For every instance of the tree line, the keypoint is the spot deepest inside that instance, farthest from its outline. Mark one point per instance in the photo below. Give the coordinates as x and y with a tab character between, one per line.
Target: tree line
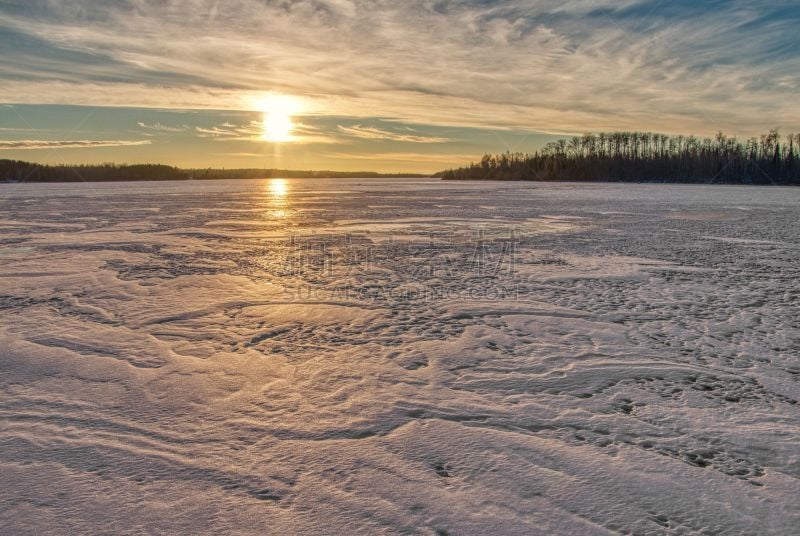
647	157
256	173
19	171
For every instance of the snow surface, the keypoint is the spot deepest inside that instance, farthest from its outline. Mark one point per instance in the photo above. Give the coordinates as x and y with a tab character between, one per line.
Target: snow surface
399	357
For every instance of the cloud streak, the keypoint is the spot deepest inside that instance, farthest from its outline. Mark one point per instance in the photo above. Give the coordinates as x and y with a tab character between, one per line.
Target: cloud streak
158	127
558	67
64	144
230	132
254	130
373	133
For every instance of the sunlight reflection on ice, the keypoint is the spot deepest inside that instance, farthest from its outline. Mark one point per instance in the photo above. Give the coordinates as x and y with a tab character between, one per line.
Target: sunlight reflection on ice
277	189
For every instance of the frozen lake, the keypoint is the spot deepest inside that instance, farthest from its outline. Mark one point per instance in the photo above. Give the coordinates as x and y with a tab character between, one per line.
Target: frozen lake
399	357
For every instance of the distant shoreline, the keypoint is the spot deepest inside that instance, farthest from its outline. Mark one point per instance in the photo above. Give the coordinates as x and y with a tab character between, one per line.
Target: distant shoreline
18	171
647	157
190	179
701	182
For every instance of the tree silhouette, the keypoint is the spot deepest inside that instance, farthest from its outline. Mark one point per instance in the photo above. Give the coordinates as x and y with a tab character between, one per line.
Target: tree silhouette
646	156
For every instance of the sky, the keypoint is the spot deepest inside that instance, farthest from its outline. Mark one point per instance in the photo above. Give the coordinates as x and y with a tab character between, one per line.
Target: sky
412	85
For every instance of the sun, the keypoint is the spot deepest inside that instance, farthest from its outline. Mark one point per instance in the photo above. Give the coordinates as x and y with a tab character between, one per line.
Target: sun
278	125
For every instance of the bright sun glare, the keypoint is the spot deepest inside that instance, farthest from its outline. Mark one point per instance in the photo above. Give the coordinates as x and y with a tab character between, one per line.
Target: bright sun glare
278	187
278	124
277	202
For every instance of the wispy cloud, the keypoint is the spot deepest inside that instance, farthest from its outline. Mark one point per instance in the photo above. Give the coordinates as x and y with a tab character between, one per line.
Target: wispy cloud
559	67
227	131
64	144
372	133
253	131
15	129
158	127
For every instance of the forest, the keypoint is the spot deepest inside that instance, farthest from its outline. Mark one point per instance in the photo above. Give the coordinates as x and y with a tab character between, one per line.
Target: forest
20	171
647	157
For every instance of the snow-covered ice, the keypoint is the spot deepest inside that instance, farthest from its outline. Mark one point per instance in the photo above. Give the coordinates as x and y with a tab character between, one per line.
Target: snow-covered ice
399	357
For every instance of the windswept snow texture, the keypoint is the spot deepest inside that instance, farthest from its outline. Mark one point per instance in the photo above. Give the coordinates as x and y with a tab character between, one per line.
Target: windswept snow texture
399	357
